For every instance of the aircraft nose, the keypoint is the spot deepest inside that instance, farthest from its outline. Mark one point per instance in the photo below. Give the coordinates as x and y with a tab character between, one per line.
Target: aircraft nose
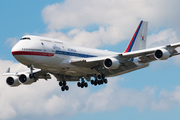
15	49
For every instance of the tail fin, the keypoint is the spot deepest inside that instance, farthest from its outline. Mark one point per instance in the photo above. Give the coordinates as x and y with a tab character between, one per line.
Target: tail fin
138	41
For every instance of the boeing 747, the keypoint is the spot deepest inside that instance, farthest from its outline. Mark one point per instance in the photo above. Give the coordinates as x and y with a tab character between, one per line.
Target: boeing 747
68	62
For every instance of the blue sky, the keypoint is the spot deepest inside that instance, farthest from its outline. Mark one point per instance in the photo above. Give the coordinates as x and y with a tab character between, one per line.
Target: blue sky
149	93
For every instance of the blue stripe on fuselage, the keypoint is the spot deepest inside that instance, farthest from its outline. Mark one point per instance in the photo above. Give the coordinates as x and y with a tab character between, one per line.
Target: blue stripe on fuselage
73	54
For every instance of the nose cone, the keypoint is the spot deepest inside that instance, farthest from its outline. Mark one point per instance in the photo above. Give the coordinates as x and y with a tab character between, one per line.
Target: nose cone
18	53
16	49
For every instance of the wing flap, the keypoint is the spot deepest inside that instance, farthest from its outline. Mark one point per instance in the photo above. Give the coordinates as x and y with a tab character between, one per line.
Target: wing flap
88	62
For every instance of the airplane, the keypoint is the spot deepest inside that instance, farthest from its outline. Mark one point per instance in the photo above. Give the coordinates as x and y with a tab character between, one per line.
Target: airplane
67	62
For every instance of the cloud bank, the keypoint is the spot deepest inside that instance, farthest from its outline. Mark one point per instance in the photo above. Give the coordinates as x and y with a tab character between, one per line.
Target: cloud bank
115	20
45	97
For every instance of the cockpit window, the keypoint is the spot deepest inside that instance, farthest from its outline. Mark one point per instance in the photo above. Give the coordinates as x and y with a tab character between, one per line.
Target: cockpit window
25	38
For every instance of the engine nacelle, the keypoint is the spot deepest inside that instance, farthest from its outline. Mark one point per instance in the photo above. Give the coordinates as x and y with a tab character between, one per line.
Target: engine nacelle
24	79
13	81
111	63
162	54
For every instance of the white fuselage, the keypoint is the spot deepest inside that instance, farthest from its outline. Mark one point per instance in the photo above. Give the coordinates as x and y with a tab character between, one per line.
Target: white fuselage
54	56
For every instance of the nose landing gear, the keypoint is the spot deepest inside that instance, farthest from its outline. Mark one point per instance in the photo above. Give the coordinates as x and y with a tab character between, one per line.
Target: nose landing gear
32	75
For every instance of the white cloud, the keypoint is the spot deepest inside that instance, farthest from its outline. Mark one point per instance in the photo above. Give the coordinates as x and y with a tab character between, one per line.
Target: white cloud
167	100
164	37
86	39
78	13
116	19
46	98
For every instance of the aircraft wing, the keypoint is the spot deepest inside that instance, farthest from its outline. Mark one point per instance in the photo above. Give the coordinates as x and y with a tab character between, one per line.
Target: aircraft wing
88	62
147	52
146	55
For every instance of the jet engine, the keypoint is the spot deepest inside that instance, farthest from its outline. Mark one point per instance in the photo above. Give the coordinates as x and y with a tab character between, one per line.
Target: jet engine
24	79
111	63
162	54
12	81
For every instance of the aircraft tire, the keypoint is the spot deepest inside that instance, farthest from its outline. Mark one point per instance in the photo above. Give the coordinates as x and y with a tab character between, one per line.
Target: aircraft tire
82	85
99	77
67	88
32	76
79	84
96	81
86	85
101	81
62	88
92	82
60	83
64	83
105	81
103	76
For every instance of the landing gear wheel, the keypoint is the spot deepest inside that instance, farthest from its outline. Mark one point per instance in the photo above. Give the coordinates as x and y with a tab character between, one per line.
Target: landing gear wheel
92	82
86	85
103	76
101	81
82	85
60	83
99	77
31	76
62	88
79	84
105	81
64	83
95	82
67	88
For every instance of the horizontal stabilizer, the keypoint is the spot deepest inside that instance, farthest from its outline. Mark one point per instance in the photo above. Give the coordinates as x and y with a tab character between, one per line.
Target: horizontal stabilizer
19	73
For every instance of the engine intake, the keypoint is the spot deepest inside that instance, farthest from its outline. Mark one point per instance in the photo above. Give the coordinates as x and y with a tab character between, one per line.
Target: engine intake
24	79
111	63
12	81
162	54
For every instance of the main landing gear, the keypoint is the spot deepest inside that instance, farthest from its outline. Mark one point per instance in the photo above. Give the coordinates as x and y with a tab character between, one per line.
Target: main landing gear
82	84
63	85
99	80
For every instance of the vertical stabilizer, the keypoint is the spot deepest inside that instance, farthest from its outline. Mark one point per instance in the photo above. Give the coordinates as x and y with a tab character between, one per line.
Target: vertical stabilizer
138	41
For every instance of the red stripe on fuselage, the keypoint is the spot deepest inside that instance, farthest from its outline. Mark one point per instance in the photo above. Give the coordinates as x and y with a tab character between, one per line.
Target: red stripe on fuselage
32	53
